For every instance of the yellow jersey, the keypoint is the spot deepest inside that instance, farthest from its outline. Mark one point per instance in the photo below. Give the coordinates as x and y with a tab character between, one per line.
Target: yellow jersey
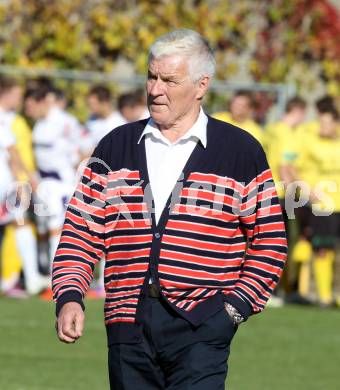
23	137
249	125
320	162
281	146
310	128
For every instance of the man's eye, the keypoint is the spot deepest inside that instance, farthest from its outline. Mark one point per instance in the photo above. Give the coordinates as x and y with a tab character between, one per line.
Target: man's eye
152	77
171	82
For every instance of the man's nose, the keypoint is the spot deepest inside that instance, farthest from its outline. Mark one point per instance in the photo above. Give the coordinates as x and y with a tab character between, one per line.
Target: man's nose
156	87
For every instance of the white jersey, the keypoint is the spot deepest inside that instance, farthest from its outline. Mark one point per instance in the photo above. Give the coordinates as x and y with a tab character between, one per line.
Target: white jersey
6	141
6	179
99	127
6	136
56	144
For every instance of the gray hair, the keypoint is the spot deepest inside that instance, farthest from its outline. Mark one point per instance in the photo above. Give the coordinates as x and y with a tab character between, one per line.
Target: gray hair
188	43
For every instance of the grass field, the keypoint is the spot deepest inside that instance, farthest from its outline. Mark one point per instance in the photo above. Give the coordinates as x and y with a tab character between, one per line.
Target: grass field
290	348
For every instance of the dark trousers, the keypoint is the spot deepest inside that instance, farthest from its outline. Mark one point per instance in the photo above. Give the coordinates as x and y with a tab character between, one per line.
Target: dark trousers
173	354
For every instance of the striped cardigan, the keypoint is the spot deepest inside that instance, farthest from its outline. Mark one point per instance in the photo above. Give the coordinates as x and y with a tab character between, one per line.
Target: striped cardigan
220	237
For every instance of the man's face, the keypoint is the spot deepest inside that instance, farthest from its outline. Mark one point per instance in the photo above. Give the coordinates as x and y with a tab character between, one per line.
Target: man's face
328	125
171	94
94	105
240	107
133	113
298	114
36	109
14	98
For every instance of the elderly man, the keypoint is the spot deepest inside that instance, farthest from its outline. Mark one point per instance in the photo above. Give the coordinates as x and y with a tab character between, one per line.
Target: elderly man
185	211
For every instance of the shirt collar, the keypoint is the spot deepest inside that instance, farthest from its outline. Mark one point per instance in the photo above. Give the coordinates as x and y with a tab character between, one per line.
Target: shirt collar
198	131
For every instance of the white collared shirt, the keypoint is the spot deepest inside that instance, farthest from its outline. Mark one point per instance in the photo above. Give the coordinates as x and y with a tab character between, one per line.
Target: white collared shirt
166	160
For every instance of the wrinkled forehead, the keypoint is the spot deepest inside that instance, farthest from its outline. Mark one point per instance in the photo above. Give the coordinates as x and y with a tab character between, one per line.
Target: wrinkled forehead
169	65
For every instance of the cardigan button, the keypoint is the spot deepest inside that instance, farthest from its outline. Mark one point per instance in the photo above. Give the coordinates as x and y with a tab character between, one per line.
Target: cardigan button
157	235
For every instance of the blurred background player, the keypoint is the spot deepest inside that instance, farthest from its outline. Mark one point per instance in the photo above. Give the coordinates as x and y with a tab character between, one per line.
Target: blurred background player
56	148
282	145
322	157
318	164
77	132
241	114
17	166
132	106
103	117
280	141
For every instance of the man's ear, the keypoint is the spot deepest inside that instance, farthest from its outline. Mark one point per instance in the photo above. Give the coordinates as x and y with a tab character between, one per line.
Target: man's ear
203	85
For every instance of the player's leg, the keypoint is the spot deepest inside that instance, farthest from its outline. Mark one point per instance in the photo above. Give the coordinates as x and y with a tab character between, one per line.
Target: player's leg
52	197
26	243
302	250
324	237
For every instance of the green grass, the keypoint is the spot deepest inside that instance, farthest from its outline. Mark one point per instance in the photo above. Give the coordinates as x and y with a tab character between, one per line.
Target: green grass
292	348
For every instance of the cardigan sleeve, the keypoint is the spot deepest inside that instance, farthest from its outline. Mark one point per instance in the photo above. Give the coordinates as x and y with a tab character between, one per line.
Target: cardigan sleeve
261	219
82	242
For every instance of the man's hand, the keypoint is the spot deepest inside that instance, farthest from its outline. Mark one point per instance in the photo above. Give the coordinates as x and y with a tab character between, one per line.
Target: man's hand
70	322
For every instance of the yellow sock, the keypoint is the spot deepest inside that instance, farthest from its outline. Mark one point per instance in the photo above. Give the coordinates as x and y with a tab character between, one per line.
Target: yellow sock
323	273
304	279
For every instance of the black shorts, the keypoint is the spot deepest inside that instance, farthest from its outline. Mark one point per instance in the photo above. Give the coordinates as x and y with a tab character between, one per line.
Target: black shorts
325	231
2	230
304	220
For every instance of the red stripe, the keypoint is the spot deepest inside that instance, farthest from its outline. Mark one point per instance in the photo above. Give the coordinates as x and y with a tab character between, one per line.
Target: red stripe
133	224
118	319
222	181
203	229
270	241
122	269
114	255
269	227
94	177
90	193
78	244
126	207
128	282
127	301
123	174
96	227
89	237
130	240
66	277
265	252
88	208
72	264
111	295
125	191
184	272
199	194
204	212
207	261
167	239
